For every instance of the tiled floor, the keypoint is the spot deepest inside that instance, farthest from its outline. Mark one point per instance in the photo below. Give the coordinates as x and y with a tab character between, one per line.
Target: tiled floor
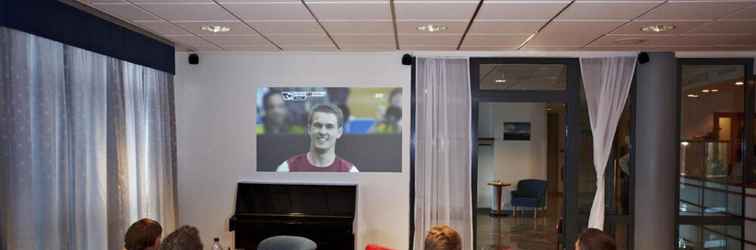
519	233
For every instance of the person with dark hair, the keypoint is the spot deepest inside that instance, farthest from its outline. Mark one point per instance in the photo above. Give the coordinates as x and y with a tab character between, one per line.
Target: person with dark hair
442	237
143	235
393	116
325	125
594	239
276	118
184	238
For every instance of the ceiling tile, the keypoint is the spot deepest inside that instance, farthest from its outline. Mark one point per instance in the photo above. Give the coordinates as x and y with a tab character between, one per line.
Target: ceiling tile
744	14
435	40
300	26
572	33
670	40
525	27
250	48
188	11
551	47
329	11
428	47
223	2
727	27
486	48
170	1
359	27
364	40
237	28
636	26
300	40
125	11
501	10
425	10
162	27
693	11
237	41
411	27
478	40
270	11
613	10
193	42
377	47
309	47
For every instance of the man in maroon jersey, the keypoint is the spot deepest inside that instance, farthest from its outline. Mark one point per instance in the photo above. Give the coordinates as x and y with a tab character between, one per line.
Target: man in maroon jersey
324	126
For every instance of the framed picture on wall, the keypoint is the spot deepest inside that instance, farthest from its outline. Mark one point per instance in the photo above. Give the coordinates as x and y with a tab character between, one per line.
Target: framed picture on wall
516	131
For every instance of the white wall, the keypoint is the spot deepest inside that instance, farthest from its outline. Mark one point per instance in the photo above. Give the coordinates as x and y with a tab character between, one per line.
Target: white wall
512	160
215	120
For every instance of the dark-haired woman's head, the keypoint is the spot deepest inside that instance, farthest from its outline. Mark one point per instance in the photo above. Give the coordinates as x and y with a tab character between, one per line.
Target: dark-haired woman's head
143	234
594	239
184	238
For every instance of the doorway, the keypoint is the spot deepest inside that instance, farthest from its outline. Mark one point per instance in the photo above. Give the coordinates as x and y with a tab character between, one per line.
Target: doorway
547	87
519	143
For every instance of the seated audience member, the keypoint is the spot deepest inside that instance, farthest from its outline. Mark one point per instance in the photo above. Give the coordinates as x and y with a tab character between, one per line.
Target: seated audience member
442	237
184	238
143	235
594	239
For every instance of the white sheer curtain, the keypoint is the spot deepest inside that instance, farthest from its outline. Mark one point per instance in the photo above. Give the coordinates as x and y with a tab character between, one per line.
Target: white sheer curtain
442	161
56	169
607	84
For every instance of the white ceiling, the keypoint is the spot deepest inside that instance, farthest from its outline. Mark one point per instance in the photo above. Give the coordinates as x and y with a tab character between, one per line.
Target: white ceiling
385	25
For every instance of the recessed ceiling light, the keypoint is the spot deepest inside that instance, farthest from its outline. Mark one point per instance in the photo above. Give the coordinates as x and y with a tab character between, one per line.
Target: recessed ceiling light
659	28
714	90
739	83
216	28
692	95
704	91
501	80
684	143
432	28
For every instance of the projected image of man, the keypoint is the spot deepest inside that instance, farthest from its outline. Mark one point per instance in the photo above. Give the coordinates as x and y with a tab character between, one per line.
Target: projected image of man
325	125
276	119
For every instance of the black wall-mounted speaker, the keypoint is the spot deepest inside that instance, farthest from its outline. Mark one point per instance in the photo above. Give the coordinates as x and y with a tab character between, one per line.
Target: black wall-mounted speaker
643	58
193	58
408	59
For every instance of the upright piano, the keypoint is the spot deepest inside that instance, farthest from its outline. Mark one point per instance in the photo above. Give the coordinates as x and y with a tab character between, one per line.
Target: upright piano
322	213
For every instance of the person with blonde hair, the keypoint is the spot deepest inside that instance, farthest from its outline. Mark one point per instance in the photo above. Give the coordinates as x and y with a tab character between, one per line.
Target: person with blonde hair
443	237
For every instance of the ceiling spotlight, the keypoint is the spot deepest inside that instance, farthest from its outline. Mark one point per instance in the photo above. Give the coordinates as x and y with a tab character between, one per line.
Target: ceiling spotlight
714	90
692	95
739	83
501	81
432	28
216	28
659	28
684	143
704	91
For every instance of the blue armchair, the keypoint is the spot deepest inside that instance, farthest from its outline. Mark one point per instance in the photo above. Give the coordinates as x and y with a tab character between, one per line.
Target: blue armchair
530	193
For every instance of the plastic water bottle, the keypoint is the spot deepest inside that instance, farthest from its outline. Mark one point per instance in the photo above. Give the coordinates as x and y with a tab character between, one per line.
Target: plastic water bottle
216	244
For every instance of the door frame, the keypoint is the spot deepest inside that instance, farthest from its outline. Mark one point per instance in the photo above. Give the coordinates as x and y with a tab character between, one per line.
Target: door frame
569	97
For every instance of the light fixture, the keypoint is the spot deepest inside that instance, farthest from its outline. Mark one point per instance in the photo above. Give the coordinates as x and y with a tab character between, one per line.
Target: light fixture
432	28
216	28
739	83
714	90
684	143
501	81
705	91
692	95
659	28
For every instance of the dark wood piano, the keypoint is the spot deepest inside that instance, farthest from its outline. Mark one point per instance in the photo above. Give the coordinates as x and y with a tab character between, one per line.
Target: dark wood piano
322	213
